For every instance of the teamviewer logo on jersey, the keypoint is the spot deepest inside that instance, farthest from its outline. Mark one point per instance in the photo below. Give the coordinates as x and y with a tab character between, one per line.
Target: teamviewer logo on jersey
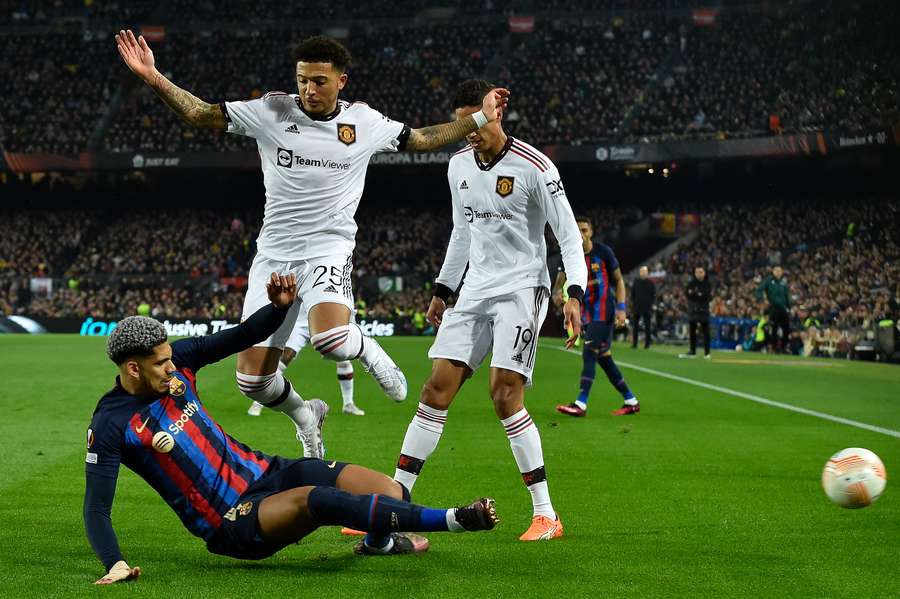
285	157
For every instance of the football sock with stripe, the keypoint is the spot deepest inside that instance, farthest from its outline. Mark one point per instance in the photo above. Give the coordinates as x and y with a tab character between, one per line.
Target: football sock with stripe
345	379
275	392
421	439
525	442
378	514
615	377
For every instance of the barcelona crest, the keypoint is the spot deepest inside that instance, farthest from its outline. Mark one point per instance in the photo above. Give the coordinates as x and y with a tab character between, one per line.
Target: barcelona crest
176	387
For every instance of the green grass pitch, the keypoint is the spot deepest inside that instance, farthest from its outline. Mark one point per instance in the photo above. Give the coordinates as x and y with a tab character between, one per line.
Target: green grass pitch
702	494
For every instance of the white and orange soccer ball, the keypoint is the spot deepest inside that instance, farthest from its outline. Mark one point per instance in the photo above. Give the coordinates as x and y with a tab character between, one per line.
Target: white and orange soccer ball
854	477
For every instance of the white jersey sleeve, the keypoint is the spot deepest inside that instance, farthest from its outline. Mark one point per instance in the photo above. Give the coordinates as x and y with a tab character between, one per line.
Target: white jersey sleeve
385	134
245	117
457	256
550	195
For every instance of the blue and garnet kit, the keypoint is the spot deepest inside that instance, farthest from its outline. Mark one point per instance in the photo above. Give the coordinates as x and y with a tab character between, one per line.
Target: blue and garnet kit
211	480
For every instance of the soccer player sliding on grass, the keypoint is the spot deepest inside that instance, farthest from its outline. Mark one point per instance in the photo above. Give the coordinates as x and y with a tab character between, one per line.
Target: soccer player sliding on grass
244	503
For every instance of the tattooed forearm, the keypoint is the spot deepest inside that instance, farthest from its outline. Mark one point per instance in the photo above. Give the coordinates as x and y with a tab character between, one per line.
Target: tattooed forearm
437	136
189	107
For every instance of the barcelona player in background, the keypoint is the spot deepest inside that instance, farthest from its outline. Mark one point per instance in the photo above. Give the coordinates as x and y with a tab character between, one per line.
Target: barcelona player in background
602	313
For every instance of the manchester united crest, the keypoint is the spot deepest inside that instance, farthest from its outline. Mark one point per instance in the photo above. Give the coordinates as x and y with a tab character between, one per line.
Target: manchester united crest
346	133
505	185
176	387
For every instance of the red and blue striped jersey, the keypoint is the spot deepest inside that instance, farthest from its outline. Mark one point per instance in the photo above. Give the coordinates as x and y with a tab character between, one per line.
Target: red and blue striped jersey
175	445
600	295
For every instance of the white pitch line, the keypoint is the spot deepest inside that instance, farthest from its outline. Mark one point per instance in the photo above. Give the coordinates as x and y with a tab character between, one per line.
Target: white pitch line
756	398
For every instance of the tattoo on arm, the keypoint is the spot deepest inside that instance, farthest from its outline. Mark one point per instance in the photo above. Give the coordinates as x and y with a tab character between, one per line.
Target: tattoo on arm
438	136
186	105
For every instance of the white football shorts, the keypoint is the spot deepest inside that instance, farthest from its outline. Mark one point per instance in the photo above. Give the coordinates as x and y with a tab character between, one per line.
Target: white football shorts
506	325
319	280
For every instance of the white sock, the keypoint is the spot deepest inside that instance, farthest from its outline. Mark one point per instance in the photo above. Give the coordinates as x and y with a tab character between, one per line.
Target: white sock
525	442
581	404
282	366
421	439
345	378
276	393
631	402
452	524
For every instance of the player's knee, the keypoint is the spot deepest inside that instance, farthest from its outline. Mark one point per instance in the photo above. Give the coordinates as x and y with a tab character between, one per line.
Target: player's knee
507	388
436	394
288	355
340	343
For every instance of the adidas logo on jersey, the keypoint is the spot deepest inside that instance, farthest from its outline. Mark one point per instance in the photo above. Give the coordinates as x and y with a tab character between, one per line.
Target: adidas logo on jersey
464	185
292	129
517	358
330	289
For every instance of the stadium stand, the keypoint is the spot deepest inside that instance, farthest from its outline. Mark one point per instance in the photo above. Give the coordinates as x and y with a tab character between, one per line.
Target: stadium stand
632	74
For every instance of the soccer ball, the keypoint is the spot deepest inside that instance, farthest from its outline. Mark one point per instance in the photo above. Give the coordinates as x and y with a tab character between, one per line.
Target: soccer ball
854	478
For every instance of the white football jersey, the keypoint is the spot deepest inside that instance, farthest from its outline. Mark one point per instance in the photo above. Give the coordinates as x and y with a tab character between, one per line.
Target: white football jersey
499	213
313	170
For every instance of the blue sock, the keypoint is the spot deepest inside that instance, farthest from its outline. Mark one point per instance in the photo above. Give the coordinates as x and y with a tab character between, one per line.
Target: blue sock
377	514
587	374
615	377
433	519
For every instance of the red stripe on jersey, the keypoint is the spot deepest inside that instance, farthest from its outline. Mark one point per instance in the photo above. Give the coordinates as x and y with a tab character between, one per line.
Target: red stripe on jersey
186	487
190	377
174	472
605	291
245	455
214	459
591	292
530	151
528	158
466	149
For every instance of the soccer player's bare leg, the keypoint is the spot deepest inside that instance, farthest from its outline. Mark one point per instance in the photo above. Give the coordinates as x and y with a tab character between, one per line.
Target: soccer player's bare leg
508	393
259	379
336	338
424	432
366	500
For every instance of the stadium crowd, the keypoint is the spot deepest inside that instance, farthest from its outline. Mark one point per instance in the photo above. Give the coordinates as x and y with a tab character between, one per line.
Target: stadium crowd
193	262
841	261
632	75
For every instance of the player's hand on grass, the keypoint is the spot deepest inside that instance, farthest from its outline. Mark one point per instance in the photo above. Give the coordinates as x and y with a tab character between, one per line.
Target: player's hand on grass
494	103
572	315
282	289
120	572
435	312
137	54
620	319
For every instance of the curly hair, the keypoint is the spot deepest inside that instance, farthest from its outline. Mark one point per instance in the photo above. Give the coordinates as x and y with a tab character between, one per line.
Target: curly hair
320	48
134	336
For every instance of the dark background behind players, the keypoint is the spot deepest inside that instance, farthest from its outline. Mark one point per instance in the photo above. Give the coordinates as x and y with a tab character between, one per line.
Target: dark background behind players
643	296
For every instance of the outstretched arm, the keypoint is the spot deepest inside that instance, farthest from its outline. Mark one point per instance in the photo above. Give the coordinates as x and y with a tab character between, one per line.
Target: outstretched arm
197	352
139	58
438	136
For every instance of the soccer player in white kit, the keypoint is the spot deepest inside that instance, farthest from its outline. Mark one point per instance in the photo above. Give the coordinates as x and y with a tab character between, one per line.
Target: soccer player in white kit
314	151
504	192
297	340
